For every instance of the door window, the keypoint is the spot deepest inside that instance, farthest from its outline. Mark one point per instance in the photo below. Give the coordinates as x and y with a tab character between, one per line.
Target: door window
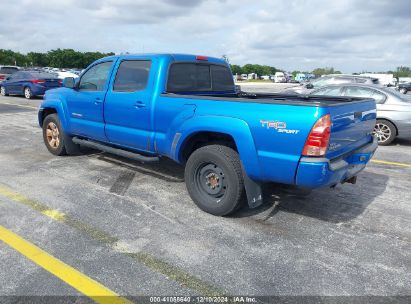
95	78
132	75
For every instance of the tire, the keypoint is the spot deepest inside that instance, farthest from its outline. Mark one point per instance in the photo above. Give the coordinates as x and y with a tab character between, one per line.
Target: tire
62	144
214	179
28	94
385	131
3	91
403	90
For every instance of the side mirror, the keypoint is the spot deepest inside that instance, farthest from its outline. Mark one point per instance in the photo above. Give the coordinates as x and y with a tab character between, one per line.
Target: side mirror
309	86
69	82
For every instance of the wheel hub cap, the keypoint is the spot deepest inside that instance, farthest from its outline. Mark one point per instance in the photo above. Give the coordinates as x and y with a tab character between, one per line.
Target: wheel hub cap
210	179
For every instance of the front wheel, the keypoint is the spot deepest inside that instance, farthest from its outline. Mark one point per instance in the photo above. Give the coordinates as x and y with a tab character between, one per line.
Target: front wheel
214	179
28	93
53	135
385	132
403	90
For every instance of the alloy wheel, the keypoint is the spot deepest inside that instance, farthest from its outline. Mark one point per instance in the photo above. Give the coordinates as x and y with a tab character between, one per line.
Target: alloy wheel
382	131
53	135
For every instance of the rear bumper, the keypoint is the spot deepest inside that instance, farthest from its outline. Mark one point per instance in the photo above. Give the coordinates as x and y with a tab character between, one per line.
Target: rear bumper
40	90
321	172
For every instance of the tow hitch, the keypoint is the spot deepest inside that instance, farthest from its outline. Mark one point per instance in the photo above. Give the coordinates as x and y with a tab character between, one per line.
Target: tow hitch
351	180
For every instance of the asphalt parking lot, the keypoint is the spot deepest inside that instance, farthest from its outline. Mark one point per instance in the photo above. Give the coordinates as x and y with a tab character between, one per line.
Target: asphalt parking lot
134	229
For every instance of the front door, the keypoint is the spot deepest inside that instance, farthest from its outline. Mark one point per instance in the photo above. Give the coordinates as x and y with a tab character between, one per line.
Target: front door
128	105
86	102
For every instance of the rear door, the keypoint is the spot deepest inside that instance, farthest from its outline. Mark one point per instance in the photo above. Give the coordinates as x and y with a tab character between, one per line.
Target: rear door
128	105
85	102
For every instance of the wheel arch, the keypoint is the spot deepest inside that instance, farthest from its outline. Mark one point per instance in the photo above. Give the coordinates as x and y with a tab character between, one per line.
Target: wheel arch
51	108
202	130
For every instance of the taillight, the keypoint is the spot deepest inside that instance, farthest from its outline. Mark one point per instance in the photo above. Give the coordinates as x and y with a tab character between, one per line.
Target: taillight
38	81
2	77
60	82
317	141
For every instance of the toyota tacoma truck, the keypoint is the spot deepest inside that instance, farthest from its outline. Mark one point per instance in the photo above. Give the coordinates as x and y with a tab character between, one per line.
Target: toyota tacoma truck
186	108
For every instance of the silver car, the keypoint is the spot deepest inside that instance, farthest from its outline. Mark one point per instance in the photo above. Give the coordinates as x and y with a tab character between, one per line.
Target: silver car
393	108
307	88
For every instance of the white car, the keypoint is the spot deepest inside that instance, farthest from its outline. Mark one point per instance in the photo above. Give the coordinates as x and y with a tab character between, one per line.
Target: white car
62	75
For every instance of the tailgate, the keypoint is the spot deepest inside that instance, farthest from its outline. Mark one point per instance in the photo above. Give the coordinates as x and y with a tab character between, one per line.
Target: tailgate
352	126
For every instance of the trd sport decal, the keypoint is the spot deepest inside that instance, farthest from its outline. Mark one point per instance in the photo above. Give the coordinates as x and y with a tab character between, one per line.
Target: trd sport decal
280	126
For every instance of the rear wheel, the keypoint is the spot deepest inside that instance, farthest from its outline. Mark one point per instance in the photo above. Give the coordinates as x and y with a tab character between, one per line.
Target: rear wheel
3	91
28	93
385	132
214	179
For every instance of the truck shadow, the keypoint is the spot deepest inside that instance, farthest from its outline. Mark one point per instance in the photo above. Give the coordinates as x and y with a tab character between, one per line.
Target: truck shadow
166	169
341	204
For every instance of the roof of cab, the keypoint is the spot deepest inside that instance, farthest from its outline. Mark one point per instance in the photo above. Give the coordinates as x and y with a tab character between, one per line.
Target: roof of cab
175	57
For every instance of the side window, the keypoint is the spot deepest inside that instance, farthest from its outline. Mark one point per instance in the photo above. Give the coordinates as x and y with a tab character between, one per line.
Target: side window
189	77
379	97
132	75
96	77
358	92
221	78
334	91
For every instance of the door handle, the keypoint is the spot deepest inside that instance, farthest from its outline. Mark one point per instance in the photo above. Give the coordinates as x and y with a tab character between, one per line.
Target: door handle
97	101
139	104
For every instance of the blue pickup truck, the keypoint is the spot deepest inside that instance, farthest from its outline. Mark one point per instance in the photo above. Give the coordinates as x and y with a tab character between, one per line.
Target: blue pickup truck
187	108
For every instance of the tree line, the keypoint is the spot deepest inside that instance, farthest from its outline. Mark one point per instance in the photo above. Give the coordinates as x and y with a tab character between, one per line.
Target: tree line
69	58
59	58
253	68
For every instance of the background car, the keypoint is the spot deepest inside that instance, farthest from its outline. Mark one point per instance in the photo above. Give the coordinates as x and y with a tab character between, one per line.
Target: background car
7	70
62	75
405	87
307	88
393	108
280	77
29	83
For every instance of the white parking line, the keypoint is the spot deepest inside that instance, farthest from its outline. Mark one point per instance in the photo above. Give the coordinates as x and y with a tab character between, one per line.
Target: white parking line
17	105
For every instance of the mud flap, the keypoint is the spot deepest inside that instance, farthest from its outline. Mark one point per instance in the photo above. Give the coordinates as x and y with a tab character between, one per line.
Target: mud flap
253	190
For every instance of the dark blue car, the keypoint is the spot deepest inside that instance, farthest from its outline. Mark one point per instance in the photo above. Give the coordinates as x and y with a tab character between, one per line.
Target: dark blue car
29	83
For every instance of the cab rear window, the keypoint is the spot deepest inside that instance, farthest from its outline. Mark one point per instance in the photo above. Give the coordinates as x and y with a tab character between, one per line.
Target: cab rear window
199	77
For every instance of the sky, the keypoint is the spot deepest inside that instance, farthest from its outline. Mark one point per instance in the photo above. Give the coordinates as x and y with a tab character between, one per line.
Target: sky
349	35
